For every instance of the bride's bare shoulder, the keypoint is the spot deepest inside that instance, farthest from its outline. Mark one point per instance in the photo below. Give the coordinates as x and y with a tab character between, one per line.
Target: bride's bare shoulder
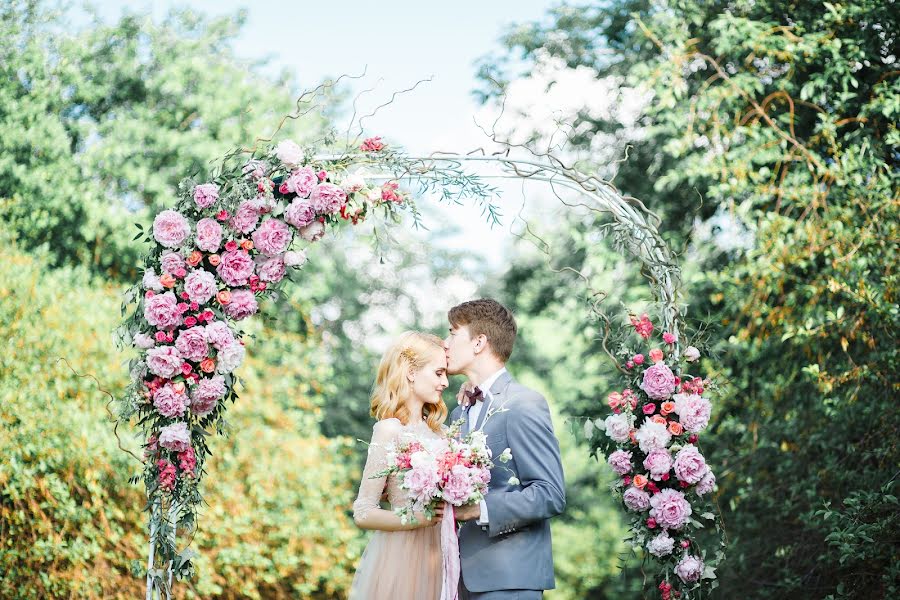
385	426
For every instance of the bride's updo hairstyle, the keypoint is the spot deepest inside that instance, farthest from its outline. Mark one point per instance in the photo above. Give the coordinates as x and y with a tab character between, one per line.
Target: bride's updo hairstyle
410	352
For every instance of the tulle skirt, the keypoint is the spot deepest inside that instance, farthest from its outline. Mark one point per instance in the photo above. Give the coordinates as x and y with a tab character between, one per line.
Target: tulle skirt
400	565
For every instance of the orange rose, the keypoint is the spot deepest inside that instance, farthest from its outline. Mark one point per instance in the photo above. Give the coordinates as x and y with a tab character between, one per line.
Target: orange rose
247	245
224	297
195	257
656	355
631	435
208	365
167	280
658	419
639	481
215	259
614	399
675	428
667	407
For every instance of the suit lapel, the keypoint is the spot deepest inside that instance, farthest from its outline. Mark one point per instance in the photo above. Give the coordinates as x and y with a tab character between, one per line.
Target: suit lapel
498	392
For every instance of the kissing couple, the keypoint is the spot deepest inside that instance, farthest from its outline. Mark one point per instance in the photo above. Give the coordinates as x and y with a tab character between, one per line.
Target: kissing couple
503	549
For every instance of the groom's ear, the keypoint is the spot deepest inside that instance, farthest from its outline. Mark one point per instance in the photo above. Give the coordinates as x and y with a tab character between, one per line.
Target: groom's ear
481	343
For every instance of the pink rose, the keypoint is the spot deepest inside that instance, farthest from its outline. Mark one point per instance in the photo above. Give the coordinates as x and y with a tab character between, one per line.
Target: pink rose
638	359
246	217
272	237
191	343
668	338
670	509
206	394
689	569
300	213
690	466
219	334
301	182
313	232
235	268
164	361
620	461
209	235
242	305
636	499
271	270
658	382
171	229
169	402
658	463
175	437
656	355
327	198
162	311
205	195
649	408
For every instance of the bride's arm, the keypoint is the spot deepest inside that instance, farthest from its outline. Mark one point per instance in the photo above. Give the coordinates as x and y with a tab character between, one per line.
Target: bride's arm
367	514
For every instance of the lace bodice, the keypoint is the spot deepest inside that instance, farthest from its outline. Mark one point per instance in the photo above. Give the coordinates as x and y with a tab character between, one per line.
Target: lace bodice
385	433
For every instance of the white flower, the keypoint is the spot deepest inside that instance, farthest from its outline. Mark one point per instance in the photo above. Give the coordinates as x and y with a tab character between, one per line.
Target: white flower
289	153
151	281
691	354
617	427
230	357
652	435
505	456
478	439
588	429
313	232
294	258
142	340
373	195
513	481
354	182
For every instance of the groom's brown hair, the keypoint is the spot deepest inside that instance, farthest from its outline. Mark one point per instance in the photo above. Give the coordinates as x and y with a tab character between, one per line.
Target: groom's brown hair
490	318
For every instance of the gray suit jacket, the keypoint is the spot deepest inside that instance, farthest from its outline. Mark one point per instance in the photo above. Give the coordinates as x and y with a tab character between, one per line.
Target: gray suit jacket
514	551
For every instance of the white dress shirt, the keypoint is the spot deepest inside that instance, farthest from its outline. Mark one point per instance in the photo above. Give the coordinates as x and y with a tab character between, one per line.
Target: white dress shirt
474	412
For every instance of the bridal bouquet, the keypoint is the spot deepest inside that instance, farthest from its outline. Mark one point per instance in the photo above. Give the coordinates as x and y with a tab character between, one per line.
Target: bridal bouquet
652	444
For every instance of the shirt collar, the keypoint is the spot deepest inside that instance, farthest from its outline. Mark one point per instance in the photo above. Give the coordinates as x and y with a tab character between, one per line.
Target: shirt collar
485	385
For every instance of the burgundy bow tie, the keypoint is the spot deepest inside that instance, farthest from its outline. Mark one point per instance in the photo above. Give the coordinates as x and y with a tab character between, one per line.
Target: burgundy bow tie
476	395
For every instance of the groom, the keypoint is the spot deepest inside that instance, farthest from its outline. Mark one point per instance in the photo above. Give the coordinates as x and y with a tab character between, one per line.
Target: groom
504	541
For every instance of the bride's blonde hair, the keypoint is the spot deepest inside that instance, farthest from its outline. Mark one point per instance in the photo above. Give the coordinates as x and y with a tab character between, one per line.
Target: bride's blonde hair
411	351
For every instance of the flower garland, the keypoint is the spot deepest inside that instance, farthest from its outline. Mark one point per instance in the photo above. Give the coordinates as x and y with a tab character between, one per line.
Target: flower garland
651	444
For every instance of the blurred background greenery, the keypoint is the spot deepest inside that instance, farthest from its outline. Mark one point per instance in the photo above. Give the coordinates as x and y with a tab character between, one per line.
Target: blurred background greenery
766	140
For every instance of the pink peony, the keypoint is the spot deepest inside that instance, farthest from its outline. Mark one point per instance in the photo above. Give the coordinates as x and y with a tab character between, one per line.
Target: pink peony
652	435
300	182
150	281
458	486
242	305
166	475
618	427
200	286
171	229
142	340
272	237
300	213
620	461
636	499
289	153
171	262
661	545
658	463
230	357
246	217
706	485
206	394
168	402
191	343
689	569
271	270
327	198
658	382
206	194
670	509
690	466
175	437
219	334
235	268
162	311
209	235
693	411
313	232
164	361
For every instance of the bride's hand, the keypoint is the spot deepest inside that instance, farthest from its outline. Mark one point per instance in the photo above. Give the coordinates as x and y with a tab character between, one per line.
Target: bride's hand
423	521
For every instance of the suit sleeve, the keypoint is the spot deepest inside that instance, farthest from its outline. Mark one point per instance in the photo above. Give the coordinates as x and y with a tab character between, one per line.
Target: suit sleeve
535	449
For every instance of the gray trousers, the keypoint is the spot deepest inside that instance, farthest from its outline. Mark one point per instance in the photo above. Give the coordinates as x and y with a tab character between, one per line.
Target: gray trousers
465	594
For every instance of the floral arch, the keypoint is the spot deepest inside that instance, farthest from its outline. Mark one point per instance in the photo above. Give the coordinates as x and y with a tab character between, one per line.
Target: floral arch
232	238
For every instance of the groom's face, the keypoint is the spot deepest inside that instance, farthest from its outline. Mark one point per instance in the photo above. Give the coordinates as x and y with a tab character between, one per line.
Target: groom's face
460	348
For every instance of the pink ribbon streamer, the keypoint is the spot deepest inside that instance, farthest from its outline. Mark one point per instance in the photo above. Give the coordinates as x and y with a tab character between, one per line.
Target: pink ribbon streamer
450	555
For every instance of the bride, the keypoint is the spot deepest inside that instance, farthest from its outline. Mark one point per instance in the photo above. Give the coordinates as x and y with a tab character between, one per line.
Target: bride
401	561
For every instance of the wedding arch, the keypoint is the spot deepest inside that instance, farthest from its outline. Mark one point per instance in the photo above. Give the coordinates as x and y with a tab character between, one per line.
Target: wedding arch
232	237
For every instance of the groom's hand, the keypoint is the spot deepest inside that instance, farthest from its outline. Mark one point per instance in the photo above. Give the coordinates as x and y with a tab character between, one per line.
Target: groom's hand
468	512
467	386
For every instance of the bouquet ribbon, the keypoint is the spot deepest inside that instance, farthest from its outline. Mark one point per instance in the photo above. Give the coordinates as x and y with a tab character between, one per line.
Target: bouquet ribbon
450	555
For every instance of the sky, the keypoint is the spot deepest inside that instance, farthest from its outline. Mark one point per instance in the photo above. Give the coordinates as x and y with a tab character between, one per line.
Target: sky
397	44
